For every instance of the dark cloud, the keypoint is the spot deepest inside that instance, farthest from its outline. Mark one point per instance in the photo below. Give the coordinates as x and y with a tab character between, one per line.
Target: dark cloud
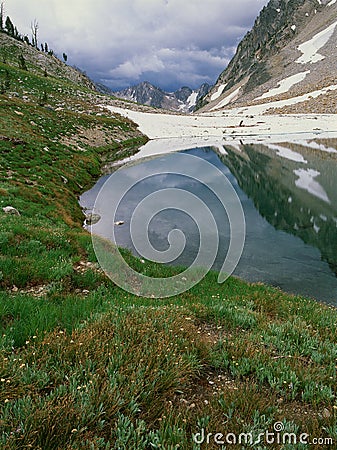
122	42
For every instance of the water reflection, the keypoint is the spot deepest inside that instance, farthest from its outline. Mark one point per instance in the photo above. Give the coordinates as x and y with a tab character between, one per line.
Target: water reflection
295	194
288	192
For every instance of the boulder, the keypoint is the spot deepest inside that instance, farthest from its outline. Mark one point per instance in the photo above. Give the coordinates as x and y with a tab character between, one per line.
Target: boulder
11	210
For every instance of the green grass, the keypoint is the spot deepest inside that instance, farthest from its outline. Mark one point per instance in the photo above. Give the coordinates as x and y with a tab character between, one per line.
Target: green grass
85	365
137	372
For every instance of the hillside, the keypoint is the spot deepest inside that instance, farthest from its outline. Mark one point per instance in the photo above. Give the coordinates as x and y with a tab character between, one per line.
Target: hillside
39	62
289	52
85	364
182	100
51	130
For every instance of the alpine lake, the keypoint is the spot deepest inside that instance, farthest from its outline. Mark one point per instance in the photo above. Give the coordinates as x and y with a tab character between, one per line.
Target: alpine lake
288	192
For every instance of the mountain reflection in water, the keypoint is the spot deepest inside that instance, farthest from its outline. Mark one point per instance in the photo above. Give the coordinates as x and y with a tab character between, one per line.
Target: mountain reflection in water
289	195
296	195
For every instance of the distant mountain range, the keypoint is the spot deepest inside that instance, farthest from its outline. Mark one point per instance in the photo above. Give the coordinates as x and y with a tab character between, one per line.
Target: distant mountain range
184	99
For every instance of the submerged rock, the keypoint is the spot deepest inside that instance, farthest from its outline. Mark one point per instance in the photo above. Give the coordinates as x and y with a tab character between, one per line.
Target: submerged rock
91	219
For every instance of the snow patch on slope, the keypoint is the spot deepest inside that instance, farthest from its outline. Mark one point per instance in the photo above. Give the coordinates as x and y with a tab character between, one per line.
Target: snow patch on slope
192	99
260	109
307	182
227	99
287	153
316	146
310	48
285	84
218	92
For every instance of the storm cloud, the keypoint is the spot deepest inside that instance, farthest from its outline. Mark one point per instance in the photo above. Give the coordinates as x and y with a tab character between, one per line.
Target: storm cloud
122	42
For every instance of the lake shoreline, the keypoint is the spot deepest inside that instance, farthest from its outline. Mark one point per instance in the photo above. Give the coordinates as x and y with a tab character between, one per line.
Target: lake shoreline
280	156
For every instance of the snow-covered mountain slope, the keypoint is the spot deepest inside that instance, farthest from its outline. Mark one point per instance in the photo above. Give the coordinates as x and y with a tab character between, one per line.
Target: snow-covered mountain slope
290	52
182	100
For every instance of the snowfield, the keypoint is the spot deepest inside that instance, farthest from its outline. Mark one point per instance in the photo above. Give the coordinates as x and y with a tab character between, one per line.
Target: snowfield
236	122
227	123
174	132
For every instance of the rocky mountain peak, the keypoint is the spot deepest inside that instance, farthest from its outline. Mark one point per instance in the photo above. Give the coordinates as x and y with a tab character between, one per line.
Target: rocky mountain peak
183	93
268	52
182	100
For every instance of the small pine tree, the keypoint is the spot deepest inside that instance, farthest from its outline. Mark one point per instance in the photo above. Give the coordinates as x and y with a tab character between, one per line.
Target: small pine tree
5	85
4	54
7	80
43	98
46	47
65	57
22	63
9	26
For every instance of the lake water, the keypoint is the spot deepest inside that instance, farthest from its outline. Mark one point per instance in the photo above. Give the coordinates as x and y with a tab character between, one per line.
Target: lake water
288	192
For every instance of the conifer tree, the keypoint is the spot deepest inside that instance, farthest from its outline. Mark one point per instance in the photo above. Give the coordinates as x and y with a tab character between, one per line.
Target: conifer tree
22	62
7	79
9	26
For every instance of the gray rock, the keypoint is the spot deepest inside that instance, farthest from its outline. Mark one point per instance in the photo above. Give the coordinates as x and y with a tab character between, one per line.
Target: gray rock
11	210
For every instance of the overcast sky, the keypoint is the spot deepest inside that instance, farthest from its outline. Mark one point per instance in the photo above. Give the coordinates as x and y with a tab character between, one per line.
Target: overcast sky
171	43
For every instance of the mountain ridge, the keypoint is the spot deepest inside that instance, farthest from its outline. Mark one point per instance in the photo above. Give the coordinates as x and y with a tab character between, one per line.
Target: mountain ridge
181	100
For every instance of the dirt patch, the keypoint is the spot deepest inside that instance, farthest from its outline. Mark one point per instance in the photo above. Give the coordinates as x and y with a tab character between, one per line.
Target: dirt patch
92	137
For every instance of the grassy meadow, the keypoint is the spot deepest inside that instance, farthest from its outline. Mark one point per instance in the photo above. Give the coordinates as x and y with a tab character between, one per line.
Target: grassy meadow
85	365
